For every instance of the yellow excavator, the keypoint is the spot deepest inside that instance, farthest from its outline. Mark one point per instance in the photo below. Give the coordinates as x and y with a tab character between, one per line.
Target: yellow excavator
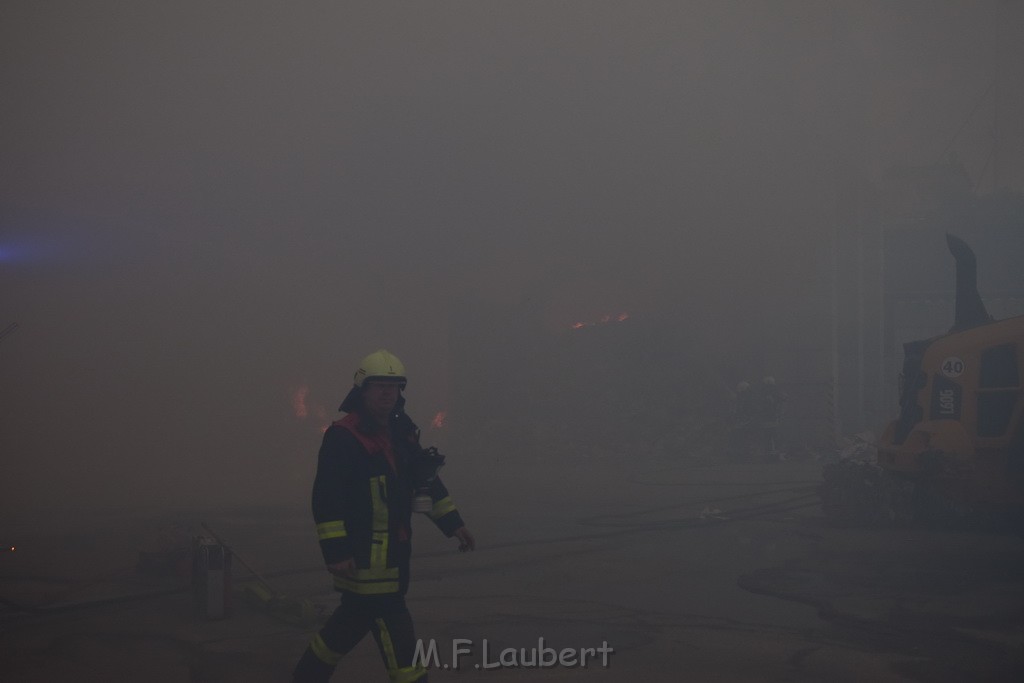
956	450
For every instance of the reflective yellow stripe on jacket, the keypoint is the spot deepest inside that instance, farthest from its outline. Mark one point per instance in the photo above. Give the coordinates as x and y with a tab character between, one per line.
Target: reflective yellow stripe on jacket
327	530
378	578
442	508
370	581
379	540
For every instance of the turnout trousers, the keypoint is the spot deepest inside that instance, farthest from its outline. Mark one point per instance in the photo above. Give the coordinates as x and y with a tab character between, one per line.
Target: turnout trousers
386	617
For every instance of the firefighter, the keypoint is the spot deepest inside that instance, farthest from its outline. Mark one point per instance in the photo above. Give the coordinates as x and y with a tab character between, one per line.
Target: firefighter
366	475
770	400
741	436
744	403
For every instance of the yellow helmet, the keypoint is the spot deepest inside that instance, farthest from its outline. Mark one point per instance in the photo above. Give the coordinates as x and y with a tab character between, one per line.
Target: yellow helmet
380	366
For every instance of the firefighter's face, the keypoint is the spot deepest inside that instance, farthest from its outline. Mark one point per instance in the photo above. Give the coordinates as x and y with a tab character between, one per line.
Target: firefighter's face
381	397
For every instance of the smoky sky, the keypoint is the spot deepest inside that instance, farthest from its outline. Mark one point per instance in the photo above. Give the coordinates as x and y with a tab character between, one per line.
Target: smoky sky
206	207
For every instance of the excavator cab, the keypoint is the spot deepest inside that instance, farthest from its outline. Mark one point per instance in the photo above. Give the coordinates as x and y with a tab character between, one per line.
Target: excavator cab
956	450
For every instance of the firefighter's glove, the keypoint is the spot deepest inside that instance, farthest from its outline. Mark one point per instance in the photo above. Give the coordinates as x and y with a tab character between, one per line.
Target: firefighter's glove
345	569
466	540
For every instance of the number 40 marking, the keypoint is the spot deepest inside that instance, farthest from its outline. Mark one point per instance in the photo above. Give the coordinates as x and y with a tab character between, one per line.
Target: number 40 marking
952	367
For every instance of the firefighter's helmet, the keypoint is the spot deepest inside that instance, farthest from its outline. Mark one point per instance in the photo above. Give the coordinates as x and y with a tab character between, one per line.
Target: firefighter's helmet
380	366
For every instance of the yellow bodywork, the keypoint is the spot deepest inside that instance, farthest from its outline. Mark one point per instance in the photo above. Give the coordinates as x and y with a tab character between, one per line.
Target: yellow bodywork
974	459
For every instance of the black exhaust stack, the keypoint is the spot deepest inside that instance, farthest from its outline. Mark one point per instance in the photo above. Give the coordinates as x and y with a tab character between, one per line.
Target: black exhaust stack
970	309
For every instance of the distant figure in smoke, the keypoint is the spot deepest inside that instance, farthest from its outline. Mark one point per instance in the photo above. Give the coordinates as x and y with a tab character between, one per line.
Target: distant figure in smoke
770	400
744	403
371	467
758	409
742	434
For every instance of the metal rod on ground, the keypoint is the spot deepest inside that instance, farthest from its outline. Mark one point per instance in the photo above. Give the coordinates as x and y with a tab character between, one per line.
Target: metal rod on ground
297	612
234	552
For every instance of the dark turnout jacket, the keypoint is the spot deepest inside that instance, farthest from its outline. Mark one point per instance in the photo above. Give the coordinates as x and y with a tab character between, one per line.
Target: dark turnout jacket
362	502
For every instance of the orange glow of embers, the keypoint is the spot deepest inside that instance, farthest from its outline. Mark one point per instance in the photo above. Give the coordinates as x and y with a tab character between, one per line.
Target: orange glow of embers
438	421
305	409
603	320
299	402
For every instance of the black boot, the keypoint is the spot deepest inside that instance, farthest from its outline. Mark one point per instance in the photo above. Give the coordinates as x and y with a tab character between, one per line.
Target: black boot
311	669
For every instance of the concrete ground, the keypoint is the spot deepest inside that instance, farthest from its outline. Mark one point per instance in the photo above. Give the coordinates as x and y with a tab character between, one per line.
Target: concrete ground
688	571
